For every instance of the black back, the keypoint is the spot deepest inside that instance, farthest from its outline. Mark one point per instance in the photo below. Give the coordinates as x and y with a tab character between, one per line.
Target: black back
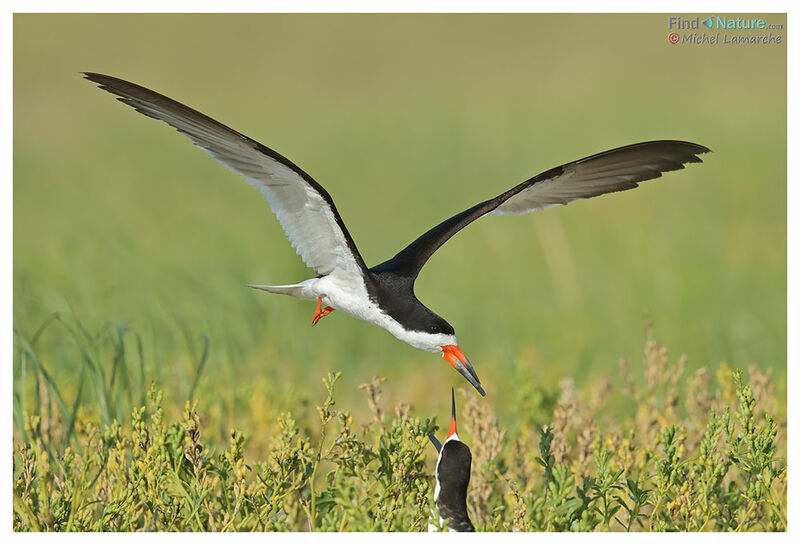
453	475
394	293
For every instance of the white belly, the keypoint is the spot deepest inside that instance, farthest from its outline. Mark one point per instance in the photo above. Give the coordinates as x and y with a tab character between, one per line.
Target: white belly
350	297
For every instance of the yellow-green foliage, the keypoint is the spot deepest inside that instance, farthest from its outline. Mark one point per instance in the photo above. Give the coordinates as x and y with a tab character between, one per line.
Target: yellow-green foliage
708	459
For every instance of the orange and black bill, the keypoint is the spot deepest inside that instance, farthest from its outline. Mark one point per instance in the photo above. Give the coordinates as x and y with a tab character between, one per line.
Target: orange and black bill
452	431
455	357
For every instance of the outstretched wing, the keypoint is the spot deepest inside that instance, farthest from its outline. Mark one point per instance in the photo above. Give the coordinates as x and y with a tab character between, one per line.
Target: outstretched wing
303	207
614	170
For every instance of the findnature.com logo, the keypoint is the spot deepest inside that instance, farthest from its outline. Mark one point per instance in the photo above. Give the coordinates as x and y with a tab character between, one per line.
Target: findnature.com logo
694	34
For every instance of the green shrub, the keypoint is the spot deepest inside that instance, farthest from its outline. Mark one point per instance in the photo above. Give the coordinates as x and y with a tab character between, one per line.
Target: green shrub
713	462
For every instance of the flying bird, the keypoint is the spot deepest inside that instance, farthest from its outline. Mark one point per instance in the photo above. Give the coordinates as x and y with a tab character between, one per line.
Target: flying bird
452	478
383	295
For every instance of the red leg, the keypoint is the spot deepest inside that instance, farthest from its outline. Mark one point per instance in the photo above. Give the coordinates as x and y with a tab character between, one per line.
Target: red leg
321	312
318	313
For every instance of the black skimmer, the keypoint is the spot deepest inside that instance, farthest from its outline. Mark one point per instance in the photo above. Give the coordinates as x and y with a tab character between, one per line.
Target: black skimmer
452	478
384	294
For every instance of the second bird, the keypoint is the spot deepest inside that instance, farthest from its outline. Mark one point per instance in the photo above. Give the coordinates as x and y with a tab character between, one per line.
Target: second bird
453	467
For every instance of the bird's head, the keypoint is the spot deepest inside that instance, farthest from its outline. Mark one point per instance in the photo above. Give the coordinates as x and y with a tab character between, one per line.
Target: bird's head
455	357
452	433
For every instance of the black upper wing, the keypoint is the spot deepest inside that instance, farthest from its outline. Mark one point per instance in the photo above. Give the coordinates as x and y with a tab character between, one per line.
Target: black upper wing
614	170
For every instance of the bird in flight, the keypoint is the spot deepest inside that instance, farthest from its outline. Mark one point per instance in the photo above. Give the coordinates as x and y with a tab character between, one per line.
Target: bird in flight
383	295
452	478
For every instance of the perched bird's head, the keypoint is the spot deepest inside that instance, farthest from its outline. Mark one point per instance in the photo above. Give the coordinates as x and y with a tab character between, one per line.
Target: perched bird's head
452	433
455	357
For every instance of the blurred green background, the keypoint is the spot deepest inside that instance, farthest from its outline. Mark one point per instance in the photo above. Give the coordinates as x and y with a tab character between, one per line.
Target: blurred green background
406	120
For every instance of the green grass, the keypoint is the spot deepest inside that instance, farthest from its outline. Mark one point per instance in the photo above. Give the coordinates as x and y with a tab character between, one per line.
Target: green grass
144	246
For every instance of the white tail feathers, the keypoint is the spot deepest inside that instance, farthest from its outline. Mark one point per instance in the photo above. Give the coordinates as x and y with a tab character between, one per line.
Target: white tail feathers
298	291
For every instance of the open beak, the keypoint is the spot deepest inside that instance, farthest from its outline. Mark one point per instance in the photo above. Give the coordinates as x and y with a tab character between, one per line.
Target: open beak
455	357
